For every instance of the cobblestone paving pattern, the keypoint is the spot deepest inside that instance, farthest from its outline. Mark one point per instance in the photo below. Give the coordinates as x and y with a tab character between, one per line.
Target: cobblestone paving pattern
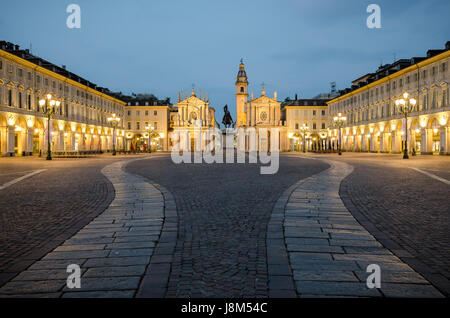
113	250
223	211
329	250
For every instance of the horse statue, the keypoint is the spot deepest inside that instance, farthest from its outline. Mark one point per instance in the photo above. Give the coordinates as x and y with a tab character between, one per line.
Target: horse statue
227	120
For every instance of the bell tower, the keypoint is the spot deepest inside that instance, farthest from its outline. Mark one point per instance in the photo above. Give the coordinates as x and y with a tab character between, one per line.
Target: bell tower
241	95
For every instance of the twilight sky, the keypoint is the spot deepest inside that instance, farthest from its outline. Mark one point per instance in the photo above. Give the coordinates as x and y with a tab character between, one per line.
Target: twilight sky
164	46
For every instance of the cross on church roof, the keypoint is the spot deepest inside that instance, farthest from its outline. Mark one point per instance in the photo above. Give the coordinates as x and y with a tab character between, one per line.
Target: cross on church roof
262	85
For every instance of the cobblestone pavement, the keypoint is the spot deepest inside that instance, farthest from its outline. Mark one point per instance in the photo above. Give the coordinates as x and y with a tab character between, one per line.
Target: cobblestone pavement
40	212
223	211
407	211
404	209
329	250
113	250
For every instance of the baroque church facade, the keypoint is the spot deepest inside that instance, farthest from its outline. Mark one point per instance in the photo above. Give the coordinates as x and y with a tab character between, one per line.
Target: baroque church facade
261	115
191	117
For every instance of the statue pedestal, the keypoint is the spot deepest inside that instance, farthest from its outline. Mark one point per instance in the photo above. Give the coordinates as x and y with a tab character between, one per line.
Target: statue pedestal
228	138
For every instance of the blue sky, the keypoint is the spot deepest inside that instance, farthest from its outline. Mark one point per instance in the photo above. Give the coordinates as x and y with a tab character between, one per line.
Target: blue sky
162	47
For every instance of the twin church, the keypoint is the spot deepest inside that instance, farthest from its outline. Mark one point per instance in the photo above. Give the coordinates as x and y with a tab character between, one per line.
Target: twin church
263	114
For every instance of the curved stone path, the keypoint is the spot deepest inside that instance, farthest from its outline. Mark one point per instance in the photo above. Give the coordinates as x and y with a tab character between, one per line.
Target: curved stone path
223	212
115	251
326	251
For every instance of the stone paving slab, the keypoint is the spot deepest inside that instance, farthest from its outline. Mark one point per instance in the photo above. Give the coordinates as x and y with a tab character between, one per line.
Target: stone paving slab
326	251
114	250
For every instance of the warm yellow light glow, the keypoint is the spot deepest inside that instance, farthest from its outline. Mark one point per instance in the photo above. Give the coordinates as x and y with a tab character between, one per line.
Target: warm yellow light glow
393	127
442	121
413	101
42	102
417	130
161	135
290	135
52	103
18	128
405	95
435	130
58	103
36	130
49	96
65	134
423	123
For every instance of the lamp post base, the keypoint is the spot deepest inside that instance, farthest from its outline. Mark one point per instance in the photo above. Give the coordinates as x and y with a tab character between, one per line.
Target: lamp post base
405	156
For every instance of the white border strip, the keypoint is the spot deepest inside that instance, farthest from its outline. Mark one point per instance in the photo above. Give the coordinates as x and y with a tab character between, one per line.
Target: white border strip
7	184
432	176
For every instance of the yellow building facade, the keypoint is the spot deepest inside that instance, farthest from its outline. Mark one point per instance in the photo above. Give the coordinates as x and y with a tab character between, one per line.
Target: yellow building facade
307	122
373	122
80	123
138	118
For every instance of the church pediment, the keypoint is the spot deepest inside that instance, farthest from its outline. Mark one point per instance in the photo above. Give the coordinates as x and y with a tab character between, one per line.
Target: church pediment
264	100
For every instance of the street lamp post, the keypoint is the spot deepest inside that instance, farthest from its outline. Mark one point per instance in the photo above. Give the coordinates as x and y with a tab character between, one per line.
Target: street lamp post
405	106
114	121
339	120
149	130
303	129
51	106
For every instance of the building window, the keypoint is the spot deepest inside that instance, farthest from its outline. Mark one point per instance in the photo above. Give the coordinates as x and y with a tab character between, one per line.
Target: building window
323	125
9	97
29	76
314	113
314	126
19	72
155	125
242	89
29	102
138	113
323	113
155	113
20	99
46	82
138	125
1	65
146	124
129	125
38	78
296	125
129	113
146	113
